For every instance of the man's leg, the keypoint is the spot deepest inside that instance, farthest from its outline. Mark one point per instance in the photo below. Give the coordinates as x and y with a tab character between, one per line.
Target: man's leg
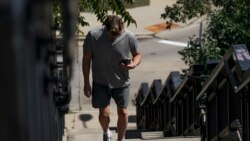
104	118
122	122
121	97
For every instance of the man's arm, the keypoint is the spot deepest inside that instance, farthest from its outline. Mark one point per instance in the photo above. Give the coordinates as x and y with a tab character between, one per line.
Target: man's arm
86	62
136	60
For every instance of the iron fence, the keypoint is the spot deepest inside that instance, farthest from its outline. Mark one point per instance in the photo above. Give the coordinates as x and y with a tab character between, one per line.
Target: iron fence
210	101
35	70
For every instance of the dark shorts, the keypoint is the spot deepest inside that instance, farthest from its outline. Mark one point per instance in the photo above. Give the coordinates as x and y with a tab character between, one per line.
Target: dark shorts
102	94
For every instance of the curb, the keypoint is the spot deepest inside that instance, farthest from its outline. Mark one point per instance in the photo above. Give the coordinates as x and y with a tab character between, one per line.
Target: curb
144	35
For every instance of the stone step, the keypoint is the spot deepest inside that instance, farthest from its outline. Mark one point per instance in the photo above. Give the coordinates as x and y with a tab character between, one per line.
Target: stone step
84	125
131	135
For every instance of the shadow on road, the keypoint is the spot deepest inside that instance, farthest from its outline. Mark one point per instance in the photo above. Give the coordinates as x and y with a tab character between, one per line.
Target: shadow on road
84	118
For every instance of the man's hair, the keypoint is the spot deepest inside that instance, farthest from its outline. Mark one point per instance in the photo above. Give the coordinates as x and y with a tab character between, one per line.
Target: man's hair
114	23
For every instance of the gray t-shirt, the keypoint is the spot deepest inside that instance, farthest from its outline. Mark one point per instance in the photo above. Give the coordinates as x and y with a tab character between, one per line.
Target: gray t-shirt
107	55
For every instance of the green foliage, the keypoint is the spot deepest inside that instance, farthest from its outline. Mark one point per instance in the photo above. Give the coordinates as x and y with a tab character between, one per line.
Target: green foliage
200	50
99	7
57	15
186	9
229	24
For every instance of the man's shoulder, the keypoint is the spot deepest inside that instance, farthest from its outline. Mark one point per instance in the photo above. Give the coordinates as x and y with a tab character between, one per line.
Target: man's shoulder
96	32
97	29
129	34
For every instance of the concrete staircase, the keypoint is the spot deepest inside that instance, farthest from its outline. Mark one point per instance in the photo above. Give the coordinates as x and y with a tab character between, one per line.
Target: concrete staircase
84	126
81	123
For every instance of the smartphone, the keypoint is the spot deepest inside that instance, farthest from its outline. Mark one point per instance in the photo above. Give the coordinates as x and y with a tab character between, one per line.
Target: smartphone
125	61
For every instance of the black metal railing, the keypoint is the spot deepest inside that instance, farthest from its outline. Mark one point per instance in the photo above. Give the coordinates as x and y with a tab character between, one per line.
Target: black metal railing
227	100
210	101
145	106
162	103
187	110
140	112
35	70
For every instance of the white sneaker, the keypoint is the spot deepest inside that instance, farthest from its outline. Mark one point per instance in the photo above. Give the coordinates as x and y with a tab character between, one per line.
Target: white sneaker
107	136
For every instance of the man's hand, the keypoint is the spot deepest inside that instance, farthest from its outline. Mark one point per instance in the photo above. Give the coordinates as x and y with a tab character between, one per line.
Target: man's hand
87	90
130	65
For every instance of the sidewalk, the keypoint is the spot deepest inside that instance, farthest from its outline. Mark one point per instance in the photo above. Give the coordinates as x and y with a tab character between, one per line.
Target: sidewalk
82	121
144	16
147	16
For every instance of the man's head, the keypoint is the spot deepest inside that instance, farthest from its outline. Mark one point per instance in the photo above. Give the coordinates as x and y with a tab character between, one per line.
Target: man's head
114	24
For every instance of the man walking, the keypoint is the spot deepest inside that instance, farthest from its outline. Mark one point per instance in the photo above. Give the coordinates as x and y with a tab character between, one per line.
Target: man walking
111	51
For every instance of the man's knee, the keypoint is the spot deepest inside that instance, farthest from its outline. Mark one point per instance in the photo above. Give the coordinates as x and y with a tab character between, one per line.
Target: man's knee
104	113
122	112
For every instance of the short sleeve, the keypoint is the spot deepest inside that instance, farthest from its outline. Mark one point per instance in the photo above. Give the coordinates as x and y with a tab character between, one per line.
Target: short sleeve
87	45
134	47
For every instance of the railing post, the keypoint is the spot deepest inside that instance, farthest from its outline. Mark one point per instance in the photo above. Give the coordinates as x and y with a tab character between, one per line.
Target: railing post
140	112
225	90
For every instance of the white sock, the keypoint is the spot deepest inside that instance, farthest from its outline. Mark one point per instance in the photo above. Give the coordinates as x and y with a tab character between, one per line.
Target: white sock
108	132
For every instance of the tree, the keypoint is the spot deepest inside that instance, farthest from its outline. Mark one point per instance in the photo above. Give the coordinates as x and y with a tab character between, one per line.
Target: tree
229	24
99	7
